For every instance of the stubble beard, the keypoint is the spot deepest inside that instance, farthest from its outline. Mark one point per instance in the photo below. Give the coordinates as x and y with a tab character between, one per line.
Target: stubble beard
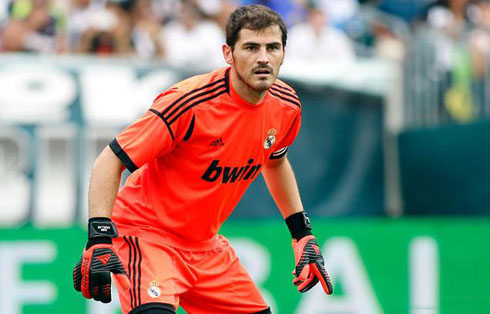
262	88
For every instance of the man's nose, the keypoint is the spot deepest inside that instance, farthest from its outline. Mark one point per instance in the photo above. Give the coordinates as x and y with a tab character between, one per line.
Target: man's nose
263	58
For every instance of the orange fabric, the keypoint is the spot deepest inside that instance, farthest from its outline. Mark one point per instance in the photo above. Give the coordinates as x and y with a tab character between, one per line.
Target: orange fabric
196	151
201	282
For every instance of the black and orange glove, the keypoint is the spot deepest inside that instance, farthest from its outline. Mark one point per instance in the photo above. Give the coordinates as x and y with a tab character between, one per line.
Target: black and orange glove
310	266
91	275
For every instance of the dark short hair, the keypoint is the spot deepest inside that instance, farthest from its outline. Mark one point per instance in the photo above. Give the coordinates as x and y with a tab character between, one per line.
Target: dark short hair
253	17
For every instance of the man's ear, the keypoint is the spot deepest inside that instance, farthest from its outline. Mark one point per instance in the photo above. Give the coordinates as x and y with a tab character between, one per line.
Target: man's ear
283	55
227	54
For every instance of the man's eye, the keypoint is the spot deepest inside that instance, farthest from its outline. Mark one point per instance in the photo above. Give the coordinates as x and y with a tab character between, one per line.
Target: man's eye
273	48
250	48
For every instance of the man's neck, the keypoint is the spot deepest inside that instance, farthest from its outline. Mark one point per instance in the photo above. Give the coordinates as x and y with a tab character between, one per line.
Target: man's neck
244	91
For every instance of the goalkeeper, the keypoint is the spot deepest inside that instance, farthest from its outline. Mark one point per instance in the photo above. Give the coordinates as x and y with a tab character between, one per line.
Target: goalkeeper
192	156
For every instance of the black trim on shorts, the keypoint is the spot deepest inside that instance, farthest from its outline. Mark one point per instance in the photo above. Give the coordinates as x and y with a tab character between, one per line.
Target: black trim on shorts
134	272
165	307
121	154
266	311
130	260
164	121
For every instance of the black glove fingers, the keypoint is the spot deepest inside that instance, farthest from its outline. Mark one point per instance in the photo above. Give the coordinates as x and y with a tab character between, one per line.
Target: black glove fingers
322	274
313	282
100	287
77	276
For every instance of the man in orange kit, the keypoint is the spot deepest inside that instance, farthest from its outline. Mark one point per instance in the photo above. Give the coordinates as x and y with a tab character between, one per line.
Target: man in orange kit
192	156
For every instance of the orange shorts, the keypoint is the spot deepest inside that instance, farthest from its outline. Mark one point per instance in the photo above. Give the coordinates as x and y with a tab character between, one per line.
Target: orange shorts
202	282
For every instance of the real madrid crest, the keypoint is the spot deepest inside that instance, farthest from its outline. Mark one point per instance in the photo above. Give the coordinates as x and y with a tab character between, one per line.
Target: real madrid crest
270	139
154	290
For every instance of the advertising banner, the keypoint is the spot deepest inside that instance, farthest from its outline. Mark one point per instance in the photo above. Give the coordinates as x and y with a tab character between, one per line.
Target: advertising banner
57	114
404	266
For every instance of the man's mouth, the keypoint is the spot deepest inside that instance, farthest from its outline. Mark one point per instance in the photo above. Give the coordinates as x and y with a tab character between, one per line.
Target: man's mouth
262	72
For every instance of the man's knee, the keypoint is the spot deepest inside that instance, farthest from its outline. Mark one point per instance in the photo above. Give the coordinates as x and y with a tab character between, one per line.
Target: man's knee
266	311
156	308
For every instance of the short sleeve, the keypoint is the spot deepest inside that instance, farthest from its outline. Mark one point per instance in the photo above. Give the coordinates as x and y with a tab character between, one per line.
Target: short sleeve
153	134
288	139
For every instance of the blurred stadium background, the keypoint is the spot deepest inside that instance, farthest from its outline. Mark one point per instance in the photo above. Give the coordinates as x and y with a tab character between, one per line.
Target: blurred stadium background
392	160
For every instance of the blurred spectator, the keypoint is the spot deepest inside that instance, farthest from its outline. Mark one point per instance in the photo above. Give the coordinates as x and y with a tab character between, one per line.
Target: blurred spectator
34	26
108	31
292	11
81	14
317	41
480	37
454	56
409	11
145	29
340	12
192	41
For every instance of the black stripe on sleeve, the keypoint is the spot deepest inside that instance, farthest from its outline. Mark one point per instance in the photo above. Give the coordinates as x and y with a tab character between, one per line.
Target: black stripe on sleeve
177	108
190	93
129	268
285	93
227	80
284	88
285	99
195	104
189	130
139	270
121	154
279	154
164	121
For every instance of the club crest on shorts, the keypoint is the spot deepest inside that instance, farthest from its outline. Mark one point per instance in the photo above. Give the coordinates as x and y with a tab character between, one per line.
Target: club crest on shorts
270	139
154	291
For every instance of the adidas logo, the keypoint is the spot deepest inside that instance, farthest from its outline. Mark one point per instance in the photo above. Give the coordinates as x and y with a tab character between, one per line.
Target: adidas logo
104	259
218	142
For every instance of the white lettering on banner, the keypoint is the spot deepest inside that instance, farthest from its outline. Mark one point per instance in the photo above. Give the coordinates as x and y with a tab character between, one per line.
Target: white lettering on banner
15	187
95	307
256	260
345	265
35	93
114	95
424	276
56	176
13	291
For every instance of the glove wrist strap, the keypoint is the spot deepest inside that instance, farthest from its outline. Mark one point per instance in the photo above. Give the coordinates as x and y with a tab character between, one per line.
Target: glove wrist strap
101	230
299	225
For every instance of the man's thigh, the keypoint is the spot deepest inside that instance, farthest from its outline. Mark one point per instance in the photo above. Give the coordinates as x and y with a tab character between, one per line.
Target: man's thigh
222	286
152	273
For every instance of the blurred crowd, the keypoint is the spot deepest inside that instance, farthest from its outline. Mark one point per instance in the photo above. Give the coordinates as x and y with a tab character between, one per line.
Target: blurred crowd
191	32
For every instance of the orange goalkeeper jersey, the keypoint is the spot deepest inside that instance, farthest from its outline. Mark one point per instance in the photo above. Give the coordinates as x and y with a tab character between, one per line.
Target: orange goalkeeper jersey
194	153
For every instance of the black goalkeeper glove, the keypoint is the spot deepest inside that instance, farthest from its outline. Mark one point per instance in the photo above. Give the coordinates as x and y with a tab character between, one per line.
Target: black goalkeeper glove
91	275
310	266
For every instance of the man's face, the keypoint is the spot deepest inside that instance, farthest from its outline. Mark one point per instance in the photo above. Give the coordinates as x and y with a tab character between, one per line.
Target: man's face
257	57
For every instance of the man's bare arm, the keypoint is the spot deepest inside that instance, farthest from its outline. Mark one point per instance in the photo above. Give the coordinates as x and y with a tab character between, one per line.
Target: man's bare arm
281	182
104	183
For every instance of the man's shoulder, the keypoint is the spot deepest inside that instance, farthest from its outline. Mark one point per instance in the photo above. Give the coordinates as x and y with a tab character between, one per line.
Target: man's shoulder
195	88
285	95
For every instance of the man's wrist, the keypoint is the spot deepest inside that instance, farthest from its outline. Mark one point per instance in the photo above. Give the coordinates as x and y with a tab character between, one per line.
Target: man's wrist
299	225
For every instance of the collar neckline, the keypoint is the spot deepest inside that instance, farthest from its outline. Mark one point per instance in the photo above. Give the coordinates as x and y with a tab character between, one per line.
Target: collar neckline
239	100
